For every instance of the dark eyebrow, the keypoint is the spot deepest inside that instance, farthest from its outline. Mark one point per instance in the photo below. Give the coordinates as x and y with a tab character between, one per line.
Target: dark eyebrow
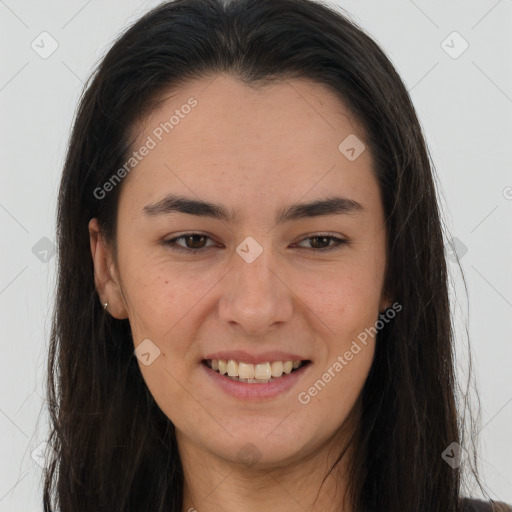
181	204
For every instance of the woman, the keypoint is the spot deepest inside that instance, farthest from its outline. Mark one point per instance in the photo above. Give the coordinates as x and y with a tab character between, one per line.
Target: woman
252	308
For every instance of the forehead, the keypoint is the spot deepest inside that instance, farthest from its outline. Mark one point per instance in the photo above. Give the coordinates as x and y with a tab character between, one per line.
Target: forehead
263	110
218	135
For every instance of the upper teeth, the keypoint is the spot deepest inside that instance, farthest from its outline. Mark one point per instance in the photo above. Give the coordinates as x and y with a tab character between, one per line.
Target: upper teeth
262	371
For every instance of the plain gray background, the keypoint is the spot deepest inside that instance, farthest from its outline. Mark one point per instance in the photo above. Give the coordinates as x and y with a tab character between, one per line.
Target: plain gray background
463	100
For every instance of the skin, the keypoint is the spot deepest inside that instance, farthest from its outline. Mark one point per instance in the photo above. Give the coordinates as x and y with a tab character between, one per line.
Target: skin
255	151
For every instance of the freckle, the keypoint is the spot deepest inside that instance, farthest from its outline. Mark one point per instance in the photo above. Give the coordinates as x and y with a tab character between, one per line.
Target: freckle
166	282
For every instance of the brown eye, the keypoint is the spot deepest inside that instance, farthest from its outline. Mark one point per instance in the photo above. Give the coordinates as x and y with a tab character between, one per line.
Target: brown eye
322	240
194	242
320	243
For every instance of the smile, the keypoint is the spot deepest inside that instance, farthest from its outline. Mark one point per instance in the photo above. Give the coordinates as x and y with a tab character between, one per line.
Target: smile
253	373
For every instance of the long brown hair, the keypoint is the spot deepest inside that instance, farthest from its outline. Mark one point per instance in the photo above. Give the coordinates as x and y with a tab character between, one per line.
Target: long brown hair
115	448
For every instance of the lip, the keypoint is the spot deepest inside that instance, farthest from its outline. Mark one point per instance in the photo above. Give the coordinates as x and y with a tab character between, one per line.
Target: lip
245	357
255	391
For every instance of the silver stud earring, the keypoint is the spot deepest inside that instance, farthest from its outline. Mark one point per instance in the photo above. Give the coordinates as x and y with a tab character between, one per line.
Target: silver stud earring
105	306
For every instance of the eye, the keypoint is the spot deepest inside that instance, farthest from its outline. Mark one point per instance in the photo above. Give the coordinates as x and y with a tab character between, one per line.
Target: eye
195	242
322	239
195	239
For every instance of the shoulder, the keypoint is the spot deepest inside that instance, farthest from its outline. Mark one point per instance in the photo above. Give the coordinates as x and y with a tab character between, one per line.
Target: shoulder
472	505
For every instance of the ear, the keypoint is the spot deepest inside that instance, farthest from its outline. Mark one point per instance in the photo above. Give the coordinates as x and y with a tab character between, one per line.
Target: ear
105	273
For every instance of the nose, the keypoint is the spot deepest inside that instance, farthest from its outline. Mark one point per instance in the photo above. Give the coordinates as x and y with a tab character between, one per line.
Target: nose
256	295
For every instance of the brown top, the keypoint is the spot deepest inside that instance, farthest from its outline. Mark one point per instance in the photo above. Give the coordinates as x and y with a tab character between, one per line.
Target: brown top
471	505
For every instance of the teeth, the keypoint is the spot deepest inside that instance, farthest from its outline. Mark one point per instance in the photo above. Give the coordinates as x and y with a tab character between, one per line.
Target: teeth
262	371
288	366
253	373
232	367
246	371
277	368
222	366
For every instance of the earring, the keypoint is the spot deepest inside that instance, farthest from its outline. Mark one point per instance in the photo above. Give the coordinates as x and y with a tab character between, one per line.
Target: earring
105	306
387	308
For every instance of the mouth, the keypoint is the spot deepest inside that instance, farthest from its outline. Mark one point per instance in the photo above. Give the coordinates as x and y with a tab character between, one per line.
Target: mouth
249	373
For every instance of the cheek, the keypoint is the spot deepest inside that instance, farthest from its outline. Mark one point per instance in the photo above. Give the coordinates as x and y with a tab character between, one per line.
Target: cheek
157	299
346	303
333	391
171	391
345	298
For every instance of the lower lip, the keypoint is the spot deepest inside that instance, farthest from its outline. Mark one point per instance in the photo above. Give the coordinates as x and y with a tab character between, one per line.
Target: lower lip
248	390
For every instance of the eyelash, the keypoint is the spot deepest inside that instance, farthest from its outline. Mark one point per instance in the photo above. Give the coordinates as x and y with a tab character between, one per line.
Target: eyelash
171	243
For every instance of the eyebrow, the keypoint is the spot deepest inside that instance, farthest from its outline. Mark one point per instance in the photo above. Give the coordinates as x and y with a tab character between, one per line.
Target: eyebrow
180	204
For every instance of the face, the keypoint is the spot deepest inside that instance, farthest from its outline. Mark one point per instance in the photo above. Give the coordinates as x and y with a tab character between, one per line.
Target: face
265	282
